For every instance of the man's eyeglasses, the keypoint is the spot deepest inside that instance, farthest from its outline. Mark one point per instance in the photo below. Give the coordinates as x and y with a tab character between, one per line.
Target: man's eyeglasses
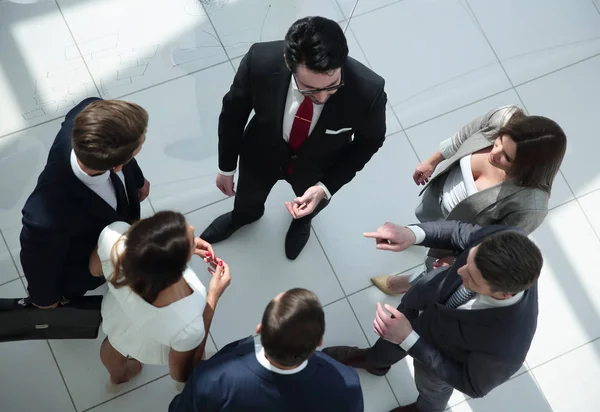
325	89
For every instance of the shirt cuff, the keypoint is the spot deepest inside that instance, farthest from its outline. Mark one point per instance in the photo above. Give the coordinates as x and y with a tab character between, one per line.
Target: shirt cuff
445	148
419	234
327	192
227	173
410	341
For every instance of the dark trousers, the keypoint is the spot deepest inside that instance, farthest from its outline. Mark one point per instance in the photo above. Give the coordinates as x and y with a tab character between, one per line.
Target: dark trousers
433	392
78	280
254	187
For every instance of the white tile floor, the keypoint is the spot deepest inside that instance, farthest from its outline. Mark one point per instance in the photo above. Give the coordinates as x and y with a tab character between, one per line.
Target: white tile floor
445	61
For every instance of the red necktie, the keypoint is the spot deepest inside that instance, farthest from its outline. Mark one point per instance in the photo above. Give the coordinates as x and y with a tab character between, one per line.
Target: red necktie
301	126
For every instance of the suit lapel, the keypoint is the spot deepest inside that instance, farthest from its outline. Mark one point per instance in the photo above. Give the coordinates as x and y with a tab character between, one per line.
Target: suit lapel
90	201
132	194
429	289
451	281
331	109
280	87
468	209
473	144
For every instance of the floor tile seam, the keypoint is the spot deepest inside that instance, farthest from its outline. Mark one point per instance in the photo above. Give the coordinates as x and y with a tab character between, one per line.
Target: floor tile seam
12	259
77	46
62	376
125	393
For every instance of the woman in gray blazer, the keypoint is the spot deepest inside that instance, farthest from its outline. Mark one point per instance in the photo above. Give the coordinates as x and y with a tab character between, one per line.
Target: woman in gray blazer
497	169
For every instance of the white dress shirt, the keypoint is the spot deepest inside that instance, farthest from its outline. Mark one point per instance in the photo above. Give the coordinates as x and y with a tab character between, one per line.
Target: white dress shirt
292	102
479	302
262	359
100	184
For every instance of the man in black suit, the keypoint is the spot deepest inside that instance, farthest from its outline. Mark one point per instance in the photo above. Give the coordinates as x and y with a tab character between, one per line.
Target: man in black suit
467	326
319	118
283	373
91	179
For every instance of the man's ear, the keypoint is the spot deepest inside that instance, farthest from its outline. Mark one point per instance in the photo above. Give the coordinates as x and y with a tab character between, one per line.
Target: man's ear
259	328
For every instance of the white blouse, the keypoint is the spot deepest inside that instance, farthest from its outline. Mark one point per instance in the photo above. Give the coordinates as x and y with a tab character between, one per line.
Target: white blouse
459	185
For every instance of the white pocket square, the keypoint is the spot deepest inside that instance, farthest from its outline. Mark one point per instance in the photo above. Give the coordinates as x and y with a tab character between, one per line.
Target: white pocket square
345	129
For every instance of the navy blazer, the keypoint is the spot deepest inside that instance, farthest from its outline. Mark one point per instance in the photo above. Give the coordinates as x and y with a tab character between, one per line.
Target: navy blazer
234	380
62	220
472	350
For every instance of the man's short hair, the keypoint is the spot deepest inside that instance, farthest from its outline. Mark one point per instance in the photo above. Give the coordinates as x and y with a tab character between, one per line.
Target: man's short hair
509	261
292	327
107	133
316	42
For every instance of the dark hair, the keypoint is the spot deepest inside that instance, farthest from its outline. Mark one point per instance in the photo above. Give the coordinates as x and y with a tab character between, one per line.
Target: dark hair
509	261
316	42
107	132
541	146
292	327
157	250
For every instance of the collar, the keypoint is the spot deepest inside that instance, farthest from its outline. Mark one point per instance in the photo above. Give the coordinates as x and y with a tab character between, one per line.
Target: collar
262	359
84	177
294	88
488	301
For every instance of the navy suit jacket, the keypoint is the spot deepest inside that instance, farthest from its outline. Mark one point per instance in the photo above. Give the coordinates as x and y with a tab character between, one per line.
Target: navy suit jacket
474	351
234	380
62	220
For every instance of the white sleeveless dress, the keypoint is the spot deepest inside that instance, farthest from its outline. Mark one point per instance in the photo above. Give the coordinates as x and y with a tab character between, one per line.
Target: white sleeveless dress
136	328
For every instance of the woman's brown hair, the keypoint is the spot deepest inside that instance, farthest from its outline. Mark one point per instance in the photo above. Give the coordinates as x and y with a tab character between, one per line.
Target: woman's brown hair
157	250
541	146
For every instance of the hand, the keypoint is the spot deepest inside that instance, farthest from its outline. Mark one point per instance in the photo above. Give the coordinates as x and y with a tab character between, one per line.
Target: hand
392	237
445	261
423	172
220	278
395	329
55	305
225	184
307	203
204	249
144	191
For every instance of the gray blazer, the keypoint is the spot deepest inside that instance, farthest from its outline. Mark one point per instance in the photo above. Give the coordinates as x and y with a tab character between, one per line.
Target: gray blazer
505	204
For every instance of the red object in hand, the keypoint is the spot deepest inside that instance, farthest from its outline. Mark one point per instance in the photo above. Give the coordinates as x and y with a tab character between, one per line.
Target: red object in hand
220	263
446	261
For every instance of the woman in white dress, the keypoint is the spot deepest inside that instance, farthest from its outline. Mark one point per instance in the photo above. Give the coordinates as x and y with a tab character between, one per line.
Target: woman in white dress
156	310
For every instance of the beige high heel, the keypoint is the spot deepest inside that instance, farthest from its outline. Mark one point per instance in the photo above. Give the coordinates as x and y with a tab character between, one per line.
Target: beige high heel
382	284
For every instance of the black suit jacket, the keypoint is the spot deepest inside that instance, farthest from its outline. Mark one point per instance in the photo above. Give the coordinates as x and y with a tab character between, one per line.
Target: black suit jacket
262	83
62	220
233	380
472	350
